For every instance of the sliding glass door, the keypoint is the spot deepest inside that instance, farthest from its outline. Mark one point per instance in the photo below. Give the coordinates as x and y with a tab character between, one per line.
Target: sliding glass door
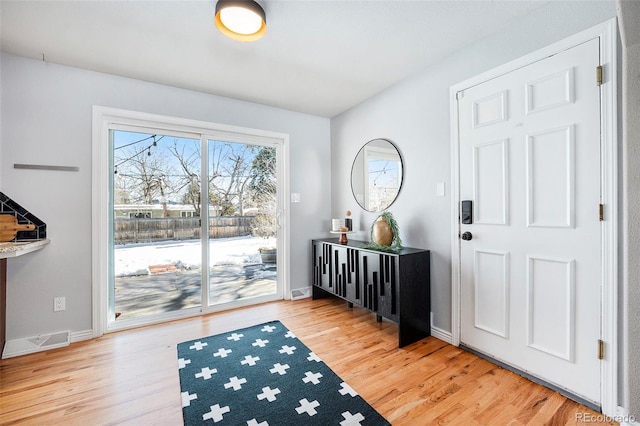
190	232
243	225
157	244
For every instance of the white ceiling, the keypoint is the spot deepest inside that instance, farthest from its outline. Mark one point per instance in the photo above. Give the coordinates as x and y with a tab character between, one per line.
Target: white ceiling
318	57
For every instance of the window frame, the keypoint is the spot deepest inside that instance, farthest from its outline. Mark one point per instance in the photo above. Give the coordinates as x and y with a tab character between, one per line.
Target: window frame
106	119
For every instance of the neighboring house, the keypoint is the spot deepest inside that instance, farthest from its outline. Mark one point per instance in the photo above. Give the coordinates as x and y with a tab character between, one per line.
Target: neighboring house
156	211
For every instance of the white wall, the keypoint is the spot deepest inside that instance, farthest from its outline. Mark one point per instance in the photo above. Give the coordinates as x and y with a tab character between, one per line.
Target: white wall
47	118
1	125
415	115
629	16
632	89
632	299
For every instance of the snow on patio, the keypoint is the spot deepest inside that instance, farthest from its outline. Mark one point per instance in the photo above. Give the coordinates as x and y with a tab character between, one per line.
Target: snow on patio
135	259
165	276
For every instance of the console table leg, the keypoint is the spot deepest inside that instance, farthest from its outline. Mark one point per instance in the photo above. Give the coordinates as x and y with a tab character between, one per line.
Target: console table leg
350	304
3	303
378	318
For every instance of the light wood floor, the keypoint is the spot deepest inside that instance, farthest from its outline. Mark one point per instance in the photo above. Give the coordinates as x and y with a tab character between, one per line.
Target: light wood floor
131	377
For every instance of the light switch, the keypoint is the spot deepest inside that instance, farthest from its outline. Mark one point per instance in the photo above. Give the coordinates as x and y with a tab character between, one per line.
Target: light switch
440	189
295	197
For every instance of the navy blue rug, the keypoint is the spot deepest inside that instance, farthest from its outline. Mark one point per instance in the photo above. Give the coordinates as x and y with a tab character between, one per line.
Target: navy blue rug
263	375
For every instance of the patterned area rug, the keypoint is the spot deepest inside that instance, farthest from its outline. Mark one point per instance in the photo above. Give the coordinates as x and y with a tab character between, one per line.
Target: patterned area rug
263	375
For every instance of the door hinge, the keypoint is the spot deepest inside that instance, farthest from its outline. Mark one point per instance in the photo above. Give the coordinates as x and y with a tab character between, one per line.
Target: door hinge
600	349
601	212
599	75
459	95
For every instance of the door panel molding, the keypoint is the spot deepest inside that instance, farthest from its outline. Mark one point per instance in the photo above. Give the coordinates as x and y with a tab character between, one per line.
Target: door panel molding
490	110
551	305
556	88
489	176
491	270
551	203
606	34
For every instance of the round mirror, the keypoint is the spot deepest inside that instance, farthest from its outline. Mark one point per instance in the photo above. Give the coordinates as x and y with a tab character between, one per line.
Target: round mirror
376	175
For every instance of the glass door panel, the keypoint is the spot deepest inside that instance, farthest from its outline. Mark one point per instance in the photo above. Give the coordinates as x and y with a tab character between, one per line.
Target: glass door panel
243	222
156	224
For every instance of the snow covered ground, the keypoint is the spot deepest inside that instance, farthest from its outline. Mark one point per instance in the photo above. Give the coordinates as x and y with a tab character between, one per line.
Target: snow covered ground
135	259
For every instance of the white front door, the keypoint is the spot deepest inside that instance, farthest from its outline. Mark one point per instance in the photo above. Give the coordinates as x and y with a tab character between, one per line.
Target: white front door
529	146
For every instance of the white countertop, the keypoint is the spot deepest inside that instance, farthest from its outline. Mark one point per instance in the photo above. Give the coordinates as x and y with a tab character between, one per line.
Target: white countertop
18	248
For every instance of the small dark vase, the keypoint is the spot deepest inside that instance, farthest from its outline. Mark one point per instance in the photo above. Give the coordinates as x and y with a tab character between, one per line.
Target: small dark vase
348	222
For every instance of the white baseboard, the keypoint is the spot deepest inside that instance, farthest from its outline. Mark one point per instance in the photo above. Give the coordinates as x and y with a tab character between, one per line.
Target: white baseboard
78	336
439	333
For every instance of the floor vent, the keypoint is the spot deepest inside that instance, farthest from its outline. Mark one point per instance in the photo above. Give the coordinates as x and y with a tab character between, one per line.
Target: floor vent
300	293
35	344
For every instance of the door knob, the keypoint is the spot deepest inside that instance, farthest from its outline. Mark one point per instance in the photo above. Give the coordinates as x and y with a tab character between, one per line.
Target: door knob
466	236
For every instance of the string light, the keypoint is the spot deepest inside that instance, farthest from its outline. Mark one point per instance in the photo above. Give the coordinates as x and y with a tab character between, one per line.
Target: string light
138	141
146	148
380	172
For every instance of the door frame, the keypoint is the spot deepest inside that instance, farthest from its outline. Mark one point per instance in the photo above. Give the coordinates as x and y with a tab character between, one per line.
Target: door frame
103	118
607	35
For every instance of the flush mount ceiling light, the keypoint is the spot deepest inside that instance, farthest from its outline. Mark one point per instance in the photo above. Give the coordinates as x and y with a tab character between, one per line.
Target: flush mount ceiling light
242	20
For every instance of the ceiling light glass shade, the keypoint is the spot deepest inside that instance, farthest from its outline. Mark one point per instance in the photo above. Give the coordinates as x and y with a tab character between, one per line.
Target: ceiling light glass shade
242	20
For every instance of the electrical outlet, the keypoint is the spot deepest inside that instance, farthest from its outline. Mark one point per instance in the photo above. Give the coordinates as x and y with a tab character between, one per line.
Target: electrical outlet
59	304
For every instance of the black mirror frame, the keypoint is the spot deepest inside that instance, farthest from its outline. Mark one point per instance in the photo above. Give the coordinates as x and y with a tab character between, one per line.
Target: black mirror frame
401	174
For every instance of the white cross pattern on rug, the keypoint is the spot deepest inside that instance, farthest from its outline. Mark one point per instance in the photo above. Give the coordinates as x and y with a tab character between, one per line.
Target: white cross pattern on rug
250	360
307	407
206	373
351	419
221	374
222	352
312	377
287	350
198	346
235	337
187	398
216	413
280	369
269	394
313	357
260	342
235	383
346	389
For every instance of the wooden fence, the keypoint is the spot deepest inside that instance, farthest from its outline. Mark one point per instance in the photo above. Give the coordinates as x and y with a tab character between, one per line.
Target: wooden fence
128	231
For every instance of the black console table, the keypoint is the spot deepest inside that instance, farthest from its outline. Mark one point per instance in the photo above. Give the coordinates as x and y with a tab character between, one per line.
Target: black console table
395	285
